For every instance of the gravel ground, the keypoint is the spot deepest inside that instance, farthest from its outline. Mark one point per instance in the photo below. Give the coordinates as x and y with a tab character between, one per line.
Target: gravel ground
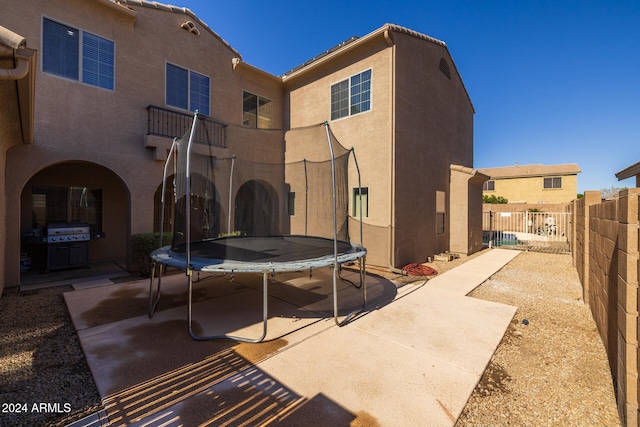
552	371
41	362
551	368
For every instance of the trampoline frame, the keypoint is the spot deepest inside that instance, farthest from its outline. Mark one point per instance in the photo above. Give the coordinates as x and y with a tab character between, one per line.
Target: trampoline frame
164	256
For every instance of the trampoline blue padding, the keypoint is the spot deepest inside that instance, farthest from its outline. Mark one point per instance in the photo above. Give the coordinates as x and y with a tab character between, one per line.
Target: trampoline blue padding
259	254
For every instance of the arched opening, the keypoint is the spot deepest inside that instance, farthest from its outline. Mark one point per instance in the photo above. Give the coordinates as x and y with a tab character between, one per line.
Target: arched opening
256	209
69	195
169	204
206	214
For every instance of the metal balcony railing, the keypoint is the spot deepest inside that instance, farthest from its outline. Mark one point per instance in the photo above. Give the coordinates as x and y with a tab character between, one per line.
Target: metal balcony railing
169	123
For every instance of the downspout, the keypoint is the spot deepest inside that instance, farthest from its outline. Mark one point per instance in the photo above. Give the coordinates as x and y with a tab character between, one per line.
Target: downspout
10	42
19	72
392	119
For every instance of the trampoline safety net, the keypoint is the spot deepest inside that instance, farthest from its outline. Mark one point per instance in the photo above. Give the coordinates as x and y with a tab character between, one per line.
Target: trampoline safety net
267	183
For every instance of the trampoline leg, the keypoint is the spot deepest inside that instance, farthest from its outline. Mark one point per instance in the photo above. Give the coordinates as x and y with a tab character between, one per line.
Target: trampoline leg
265	314
363	286
363	281
153	301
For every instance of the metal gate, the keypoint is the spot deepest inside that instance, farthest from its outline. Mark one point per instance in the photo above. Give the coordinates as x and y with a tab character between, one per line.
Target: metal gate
531	231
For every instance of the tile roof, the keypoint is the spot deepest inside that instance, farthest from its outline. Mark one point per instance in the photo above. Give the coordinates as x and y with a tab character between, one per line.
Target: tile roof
11	40
386	27
628	172
175	9
521	171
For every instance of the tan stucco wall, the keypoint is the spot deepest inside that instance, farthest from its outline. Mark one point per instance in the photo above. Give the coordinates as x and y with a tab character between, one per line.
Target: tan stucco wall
465	207
75	122
420	123
369	133
433	129
531	190
9	134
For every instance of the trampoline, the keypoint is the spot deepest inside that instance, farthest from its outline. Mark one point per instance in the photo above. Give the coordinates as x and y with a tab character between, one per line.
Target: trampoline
262	228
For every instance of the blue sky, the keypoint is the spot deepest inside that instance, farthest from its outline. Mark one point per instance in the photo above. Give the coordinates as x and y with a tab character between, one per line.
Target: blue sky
551	81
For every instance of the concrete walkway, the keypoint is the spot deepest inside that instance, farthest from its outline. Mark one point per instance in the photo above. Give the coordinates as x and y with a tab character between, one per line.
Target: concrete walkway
413	358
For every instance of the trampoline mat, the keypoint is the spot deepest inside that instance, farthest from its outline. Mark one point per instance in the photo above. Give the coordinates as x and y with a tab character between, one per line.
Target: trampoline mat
265	249
258	253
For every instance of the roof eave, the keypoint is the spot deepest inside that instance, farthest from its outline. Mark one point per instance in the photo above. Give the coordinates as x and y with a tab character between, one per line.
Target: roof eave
338	52
629	172
119	7
238	63
175	9
383	31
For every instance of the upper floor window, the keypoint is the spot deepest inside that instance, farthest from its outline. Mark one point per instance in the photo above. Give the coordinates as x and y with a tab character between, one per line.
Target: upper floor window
555	182
351	96
489	186
77	55
187	89
257	112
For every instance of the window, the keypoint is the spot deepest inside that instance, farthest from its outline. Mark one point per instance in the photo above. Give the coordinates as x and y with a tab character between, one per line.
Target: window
441	216
440	223
257	112
67	204
489	186
291	203
361	202
62	55
351	96
187	89
555	182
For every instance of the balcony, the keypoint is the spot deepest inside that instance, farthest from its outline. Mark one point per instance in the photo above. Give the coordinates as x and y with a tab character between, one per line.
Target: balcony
163	125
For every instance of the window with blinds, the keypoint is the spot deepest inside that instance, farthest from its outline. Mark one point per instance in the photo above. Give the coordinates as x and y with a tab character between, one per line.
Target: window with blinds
77	55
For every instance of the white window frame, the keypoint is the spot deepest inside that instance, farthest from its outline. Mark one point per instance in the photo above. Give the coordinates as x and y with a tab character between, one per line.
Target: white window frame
350	95
261	117
81	55
190	72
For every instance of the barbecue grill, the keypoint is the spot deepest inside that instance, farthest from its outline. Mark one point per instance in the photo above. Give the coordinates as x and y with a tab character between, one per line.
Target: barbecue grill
67	245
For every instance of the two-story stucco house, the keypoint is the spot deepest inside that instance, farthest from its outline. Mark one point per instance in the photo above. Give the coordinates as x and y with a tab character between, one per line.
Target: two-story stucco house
94	91
533	183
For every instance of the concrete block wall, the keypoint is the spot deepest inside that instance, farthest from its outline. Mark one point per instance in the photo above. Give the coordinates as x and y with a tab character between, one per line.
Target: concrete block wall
628	321
606	254
580	239
603	270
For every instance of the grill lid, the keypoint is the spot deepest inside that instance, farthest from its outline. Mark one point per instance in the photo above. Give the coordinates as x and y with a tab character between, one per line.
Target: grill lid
67	232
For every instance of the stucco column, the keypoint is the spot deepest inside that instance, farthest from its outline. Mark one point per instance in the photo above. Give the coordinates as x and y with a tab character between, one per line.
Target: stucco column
465	209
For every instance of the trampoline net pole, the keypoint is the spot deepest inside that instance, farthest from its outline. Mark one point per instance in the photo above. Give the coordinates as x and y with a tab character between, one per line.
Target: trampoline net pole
353	151
187	184
233	162
306	198
164	188
335	226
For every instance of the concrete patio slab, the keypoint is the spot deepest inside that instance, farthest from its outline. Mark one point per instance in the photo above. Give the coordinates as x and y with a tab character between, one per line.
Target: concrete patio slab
413	358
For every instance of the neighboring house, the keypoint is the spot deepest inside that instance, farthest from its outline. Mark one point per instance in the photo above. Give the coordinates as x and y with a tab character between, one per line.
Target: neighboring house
81	124
533	183
629	172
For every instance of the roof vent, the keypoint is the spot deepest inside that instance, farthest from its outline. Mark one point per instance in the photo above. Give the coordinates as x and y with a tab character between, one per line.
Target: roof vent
191	27
444	67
